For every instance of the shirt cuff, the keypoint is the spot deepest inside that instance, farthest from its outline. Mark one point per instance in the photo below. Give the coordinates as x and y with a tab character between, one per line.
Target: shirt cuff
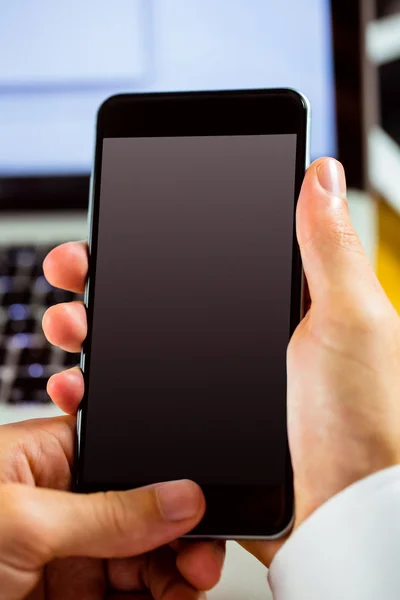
349	548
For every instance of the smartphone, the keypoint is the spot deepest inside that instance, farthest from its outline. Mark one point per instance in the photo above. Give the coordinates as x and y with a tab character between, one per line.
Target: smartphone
194	289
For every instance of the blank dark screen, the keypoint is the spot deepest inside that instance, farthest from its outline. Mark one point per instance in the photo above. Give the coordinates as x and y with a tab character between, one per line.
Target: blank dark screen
191	310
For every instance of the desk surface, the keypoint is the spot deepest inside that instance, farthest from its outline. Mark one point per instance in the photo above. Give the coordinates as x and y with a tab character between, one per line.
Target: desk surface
243	578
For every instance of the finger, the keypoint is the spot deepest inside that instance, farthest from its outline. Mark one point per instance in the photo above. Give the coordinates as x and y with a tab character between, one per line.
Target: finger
38	525
156	571
334	261
75	579
65	325
201	563
66	266
128	574
66	389
38	593
164	580
38	452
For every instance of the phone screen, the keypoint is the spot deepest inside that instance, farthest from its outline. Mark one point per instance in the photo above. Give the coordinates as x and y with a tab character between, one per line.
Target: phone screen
191	310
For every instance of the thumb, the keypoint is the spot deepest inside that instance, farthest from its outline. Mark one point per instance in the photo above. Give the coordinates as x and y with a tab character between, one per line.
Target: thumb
38	525
333	258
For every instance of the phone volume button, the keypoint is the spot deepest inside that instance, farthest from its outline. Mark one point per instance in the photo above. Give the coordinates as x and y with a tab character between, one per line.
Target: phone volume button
86	293
83	356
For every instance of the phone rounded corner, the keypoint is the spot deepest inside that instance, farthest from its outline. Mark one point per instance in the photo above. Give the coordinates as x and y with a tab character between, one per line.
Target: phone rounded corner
106	104
286	529
300	99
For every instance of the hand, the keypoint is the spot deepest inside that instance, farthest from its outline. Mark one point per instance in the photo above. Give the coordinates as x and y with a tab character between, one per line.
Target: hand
55	544
343	360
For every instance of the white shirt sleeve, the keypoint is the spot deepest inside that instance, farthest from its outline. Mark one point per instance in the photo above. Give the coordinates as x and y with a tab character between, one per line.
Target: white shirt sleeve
349	549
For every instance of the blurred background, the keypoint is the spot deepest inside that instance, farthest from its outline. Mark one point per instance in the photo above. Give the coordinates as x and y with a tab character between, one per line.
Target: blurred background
383	51
60	60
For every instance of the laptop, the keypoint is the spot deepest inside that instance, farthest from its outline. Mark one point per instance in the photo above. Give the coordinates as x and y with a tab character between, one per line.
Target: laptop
58	62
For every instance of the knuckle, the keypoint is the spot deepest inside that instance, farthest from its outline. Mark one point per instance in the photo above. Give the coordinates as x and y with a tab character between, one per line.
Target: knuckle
130	517
344	236
117	511
352	323
361	329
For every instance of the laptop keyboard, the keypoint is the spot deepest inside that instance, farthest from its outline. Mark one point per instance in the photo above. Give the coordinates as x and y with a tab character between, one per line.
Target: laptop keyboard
27	360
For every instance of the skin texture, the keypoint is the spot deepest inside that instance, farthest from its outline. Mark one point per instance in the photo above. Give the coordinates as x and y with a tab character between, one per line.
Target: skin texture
343	360
343	422
45	530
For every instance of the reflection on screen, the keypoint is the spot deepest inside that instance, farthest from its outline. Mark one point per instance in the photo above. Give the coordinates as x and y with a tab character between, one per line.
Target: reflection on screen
60	60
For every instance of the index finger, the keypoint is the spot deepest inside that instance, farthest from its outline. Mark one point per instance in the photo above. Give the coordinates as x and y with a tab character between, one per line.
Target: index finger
66	266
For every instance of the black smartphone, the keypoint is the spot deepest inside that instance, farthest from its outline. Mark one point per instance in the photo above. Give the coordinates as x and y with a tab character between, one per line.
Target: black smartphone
193	292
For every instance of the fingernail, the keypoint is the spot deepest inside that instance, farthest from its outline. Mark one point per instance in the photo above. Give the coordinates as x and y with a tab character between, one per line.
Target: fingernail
179	500
331	177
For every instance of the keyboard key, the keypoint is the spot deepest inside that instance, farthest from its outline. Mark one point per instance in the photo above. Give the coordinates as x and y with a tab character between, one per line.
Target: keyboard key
21	283
19	291
38	269
21	326
41	285
21	340
24	258
5	284
31	356
18	312
36	370
16	395
3	317
24	296
29	389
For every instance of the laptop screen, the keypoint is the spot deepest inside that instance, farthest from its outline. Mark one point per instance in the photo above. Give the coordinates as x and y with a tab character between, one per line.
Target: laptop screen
60	60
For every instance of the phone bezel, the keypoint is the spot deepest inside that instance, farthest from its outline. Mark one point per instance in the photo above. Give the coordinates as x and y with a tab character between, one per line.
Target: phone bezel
238	512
